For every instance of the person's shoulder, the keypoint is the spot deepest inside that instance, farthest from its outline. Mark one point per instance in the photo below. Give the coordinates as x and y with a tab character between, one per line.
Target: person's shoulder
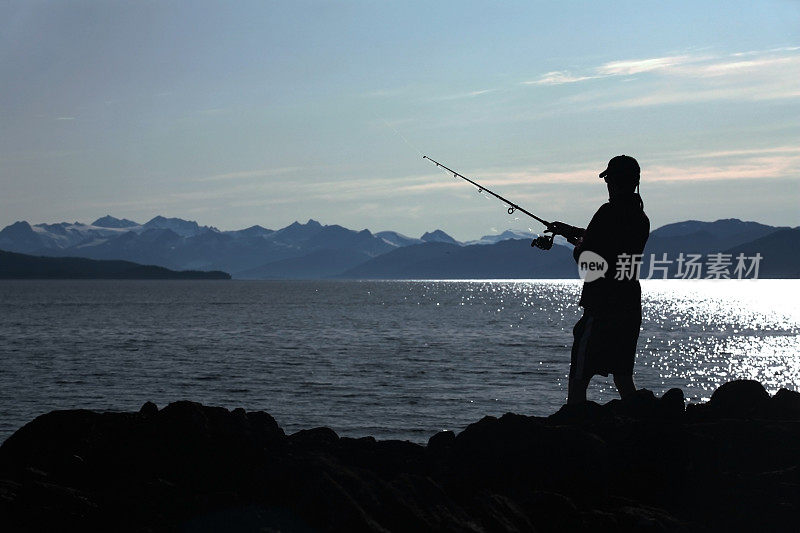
603	216
604	210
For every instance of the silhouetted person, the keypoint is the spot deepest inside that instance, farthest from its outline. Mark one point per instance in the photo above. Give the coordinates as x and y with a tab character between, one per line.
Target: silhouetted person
606	335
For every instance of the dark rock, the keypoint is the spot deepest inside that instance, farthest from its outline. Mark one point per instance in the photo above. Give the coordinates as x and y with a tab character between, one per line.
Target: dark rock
315	437
578	413
399	447
641	404
360	442
265	428
742	398
644	405
148	409
739	397
634	465
673	404
551	511
786	405
441	441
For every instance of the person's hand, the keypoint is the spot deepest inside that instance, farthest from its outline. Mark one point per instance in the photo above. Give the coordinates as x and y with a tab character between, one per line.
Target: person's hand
569	232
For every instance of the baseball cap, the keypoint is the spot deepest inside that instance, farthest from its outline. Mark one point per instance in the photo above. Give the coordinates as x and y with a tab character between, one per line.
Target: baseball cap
622	165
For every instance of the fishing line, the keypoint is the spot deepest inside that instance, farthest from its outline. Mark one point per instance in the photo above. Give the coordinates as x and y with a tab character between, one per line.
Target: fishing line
399	134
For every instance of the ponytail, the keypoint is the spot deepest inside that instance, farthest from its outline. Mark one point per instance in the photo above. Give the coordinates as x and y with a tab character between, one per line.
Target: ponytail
639	197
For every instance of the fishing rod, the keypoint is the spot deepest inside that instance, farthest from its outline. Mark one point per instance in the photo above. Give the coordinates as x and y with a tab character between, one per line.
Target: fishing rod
545	242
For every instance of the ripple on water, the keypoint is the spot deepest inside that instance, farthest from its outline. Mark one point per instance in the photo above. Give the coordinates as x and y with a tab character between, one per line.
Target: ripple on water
391	359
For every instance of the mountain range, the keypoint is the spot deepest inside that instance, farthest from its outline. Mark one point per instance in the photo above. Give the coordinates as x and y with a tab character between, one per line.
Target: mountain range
313	250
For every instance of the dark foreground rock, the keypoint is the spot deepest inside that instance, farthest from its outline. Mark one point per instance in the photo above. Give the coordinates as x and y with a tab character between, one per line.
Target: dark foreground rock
644	464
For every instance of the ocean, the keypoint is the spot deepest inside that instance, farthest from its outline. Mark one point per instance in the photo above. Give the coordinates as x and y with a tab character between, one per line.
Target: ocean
392	359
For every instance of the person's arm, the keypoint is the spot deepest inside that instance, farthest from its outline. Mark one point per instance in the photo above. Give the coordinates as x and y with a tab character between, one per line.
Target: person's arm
573	234
592	238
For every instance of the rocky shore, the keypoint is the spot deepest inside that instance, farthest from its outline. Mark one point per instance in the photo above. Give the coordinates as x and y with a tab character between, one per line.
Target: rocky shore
645	464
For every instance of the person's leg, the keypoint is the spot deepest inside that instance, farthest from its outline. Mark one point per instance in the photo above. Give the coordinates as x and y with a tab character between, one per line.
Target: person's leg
577	390
625	386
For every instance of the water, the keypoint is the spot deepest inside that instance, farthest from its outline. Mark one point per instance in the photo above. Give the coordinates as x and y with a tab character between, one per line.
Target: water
389	359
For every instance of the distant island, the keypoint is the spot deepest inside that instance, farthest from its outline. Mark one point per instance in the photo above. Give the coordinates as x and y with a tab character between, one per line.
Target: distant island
313	250
21	266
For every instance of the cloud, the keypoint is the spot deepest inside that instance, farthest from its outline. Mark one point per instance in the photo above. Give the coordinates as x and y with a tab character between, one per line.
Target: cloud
753	168
687	78
387	92
779	162
613	68
249	174
470	94
637	66
558	77
500	181
746	152
753	93
542	190
756	52
747	163
723	68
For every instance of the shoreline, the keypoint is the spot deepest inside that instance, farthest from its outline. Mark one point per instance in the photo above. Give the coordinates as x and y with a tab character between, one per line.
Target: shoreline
643	464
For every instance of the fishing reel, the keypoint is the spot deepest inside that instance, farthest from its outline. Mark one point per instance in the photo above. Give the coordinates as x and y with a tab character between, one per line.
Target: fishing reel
544	242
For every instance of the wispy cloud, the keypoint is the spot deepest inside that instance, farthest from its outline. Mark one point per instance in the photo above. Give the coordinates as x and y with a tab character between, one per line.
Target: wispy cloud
753	93
478	93
746	152
558	77
529	186
213	111
249	174
723	68
469	94
756	52
689	78
626	67
783	166
388	91
751	163
637	66
713	165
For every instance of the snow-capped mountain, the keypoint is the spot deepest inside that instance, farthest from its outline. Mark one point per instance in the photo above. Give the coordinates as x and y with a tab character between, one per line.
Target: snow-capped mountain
315	250
397	239
506	235
184	228
22	237
110	222
438	236
184	244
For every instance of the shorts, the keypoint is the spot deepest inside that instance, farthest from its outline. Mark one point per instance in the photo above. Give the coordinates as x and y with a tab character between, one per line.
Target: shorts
604	344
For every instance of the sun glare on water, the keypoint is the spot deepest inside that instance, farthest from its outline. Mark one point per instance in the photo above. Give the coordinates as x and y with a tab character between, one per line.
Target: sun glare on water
711	330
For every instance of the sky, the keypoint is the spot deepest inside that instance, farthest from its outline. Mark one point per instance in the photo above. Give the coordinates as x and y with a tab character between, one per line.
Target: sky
243	113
